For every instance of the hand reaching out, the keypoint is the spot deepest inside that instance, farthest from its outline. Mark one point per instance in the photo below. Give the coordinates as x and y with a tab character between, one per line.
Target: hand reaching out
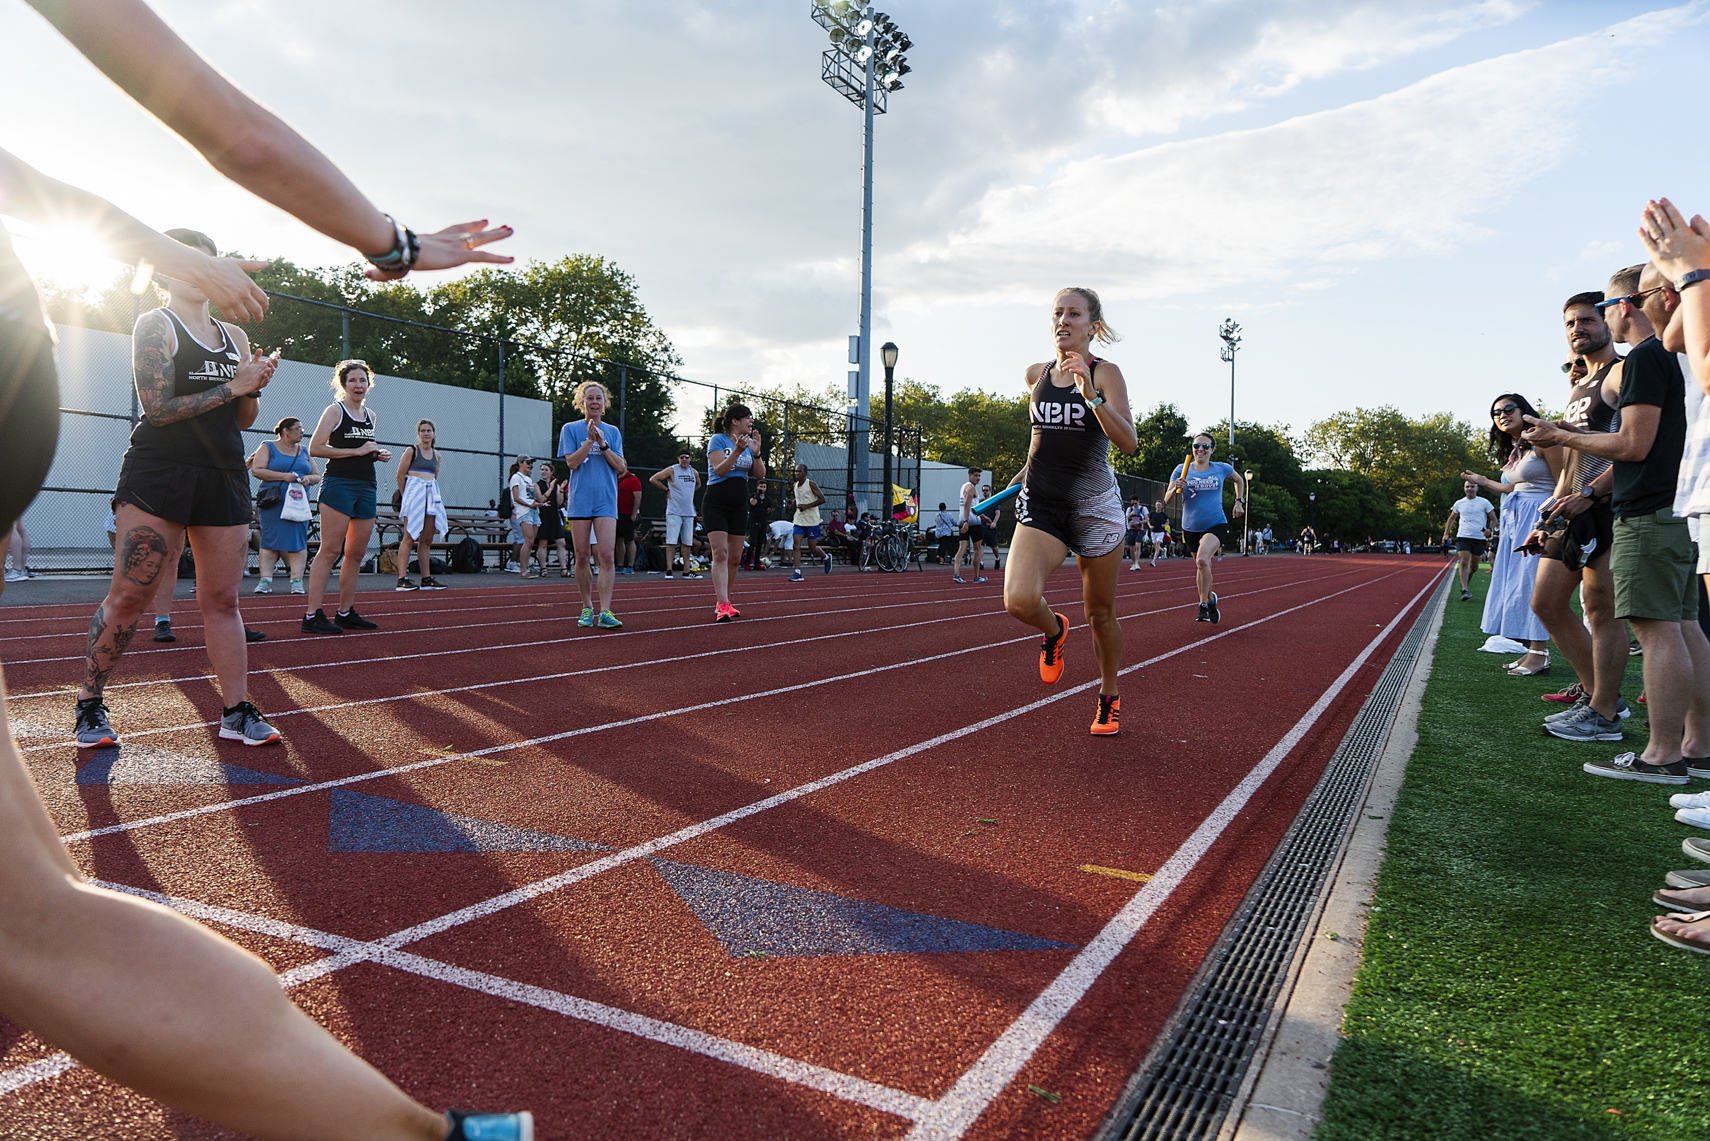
453	246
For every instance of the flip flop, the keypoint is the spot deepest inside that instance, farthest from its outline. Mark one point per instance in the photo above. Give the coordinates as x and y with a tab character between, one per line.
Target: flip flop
1675	940
1658	899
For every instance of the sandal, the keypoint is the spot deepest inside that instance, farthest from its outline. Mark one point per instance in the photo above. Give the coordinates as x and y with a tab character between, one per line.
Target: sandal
1516	671
1673	940
1660	899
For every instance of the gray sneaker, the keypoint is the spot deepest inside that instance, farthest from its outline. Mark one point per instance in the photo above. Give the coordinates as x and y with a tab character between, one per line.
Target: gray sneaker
1622	709
92	729
1628	766
1690	878
1585	724
243	722
1697	847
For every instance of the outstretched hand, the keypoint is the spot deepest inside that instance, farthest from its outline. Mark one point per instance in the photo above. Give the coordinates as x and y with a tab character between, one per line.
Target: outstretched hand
226	282
1545	433
1676	246
453	246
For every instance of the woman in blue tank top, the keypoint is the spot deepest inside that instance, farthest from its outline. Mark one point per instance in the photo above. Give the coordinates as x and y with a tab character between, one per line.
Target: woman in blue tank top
1068	501
280	465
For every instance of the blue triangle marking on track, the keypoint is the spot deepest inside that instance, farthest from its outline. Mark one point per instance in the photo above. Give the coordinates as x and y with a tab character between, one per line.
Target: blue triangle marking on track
144	764
362	823
747	915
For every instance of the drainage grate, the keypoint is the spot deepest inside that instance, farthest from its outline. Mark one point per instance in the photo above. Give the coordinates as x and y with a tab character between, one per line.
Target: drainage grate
1186	1088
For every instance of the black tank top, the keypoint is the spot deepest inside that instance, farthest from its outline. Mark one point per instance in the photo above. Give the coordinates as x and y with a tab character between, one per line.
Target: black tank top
1068	458
352	433
1587	411
213	438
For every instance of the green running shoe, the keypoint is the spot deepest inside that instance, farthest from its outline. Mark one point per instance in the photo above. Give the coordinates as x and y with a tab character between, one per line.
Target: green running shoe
587	618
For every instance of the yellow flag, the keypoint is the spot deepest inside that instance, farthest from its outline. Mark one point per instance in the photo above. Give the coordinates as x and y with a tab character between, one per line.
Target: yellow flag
904	497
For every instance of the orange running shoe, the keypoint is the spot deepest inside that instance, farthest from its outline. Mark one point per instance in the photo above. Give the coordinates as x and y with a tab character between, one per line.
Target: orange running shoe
1051	653
1108	723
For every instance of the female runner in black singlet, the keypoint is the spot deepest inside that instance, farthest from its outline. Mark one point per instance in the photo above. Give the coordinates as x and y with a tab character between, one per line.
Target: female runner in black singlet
345	438
1069	501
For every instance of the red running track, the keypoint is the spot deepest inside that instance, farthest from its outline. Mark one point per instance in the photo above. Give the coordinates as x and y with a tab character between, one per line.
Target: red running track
738	792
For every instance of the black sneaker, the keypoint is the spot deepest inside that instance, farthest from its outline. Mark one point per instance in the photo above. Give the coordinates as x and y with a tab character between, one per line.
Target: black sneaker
1202	615
163	630
351	620
1466	596
405	584
429	584
1698	767
253	635
319	623
1211	609
91	728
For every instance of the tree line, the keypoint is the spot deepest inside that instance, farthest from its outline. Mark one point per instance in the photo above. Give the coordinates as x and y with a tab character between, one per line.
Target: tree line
1377	473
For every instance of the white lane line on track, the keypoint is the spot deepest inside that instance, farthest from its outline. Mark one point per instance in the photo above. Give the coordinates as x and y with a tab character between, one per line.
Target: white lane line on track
604	669
508	646
352	951
844	1086
955	1112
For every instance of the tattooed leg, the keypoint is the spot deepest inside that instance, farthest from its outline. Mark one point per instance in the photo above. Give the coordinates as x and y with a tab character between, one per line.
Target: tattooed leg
140	557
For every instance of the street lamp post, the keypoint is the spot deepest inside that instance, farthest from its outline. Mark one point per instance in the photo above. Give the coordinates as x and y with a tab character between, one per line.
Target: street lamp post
1230	332
888	357
864	64
1312	505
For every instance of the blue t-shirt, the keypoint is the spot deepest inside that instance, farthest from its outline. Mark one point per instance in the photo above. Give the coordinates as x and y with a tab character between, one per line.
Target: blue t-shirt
593	486
721	446
1202	496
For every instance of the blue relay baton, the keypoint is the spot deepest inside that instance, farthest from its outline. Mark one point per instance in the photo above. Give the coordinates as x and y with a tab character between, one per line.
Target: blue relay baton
998	500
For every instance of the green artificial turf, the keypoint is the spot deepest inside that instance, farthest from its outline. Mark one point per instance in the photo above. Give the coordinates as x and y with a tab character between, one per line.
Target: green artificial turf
1509	986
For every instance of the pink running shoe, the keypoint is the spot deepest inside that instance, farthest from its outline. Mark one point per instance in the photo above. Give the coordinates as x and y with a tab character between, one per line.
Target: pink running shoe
1567	696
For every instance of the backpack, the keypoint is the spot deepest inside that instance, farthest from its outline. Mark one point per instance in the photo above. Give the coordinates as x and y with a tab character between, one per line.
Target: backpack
506	504
466	557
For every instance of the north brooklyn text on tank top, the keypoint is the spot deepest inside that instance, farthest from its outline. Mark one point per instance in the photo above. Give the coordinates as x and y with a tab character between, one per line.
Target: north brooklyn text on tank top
213	438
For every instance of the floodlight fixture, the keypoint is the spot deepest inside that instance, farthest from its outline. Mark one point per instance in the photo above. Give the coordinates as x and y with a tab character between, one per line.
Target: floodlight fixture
1230	334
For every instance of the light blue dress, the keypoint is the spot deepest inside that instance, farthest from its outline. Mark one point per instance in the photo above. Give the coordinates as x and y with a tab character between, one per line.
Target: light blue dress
282	534
593	486
1508	606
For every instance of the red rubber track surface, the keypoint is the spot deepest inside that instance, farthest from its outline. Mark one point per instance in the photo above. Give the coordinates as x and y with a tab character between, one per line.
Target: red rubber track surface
599	1000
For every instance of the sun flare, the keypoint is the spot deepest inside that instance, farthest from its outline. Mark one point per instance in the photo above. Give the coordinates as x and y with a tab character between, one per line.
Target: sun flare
63	257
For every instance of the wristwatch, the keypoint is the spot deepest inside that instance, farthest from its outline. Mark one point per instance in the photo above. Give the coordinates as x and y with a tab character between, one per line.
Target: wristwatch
1097	399
1693	277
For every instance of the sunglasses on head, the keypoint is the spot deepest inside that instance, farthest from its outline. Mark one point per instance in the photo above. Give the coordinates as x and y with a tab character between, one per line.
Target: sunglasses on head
1635	298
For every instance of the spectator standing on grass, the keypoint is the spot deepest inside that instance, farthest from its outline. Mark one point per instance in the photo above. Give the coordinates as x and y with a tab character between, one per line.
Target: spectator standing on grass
549	496
276	465
679	482
525	513
1468	530
968	526
629	510
421	510
733	453
1528	477
593	449
1578	528
183	478
1652	559
806	521
345	438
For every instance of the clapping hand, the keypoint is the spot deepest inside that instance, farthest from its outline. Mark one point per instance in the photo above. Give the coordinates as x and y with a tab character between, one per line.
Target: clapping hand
253	373
1677	247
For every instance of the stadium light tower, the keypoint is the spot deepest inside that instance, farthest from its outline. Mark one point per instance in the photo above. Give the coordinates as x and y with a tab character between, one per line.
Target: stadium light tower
864	64
1231	334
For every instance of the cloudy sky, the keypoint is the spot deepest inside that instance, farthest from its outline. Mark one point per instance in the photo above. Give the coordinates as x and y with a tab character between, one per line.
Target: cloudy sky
1392	198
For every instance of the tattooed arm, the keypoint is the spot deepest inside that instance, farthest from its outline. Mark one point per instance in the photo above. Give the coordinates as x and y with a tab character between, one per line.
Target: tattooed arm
152	345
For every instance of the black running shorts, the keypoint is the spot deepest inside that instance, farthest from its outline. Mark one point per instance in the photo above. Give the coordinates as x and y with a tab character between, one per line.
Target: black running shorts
1476	546
1221	530
626	528
725	507
188	496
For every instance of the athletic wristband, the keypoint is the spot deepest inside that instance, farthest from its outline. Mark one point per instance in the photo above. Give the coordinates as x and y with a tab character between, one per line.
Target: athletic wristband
406	247
1693	277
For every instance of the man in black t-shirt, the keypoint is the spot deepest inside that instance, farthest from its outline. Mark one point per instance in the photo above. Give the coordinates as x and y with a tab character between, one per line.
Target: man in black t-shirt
1652	558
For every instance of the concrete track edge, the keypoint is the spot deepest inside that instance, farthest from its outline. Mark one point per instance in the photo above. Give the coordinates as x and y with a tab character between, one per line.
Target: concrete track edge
1284	1087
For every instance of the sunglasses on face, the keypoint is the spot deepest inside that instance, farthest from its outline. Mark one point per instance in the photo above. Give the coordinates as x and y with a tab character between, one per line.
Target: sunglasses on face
1577	362
1635	298
1504	409
1202	447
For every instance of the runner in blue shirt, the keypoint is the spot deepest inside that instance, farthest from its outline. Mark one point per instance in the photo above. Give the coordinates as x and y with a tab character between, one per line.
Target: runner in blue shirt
593	450
1203	523
733	454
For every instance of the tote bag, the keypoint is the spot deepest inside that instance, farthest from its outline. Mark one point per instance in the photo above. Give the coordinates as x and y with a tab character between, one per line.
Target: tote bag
296	508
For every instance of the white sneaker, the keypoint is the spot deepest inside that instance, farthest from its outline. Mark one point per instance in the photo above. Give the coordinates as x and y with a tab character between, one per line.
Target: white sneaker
264	587
513	568
297	586
15	576
1689	800
1697	817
